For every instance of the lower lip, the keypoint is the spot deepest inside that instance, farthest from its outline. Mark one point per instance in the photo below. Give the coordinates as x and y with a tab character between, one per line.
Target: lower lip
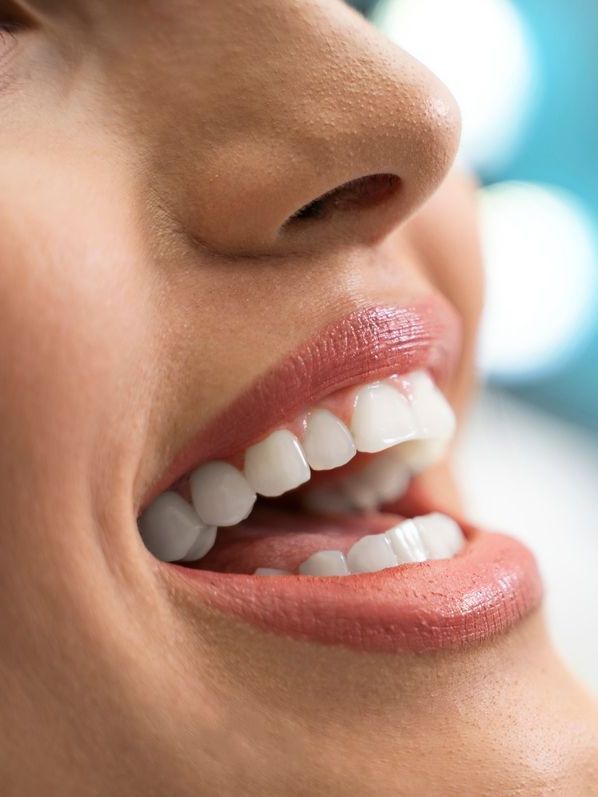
486	589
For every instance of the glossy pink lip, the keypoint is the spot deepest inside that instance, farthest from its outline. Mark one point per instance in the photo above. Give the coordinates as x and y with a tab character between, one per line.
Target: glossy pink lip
423	607
370	343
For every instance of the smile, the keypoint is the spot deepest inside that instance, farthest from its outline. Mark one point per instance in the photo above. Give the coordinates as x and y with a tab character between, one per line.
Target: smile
300	508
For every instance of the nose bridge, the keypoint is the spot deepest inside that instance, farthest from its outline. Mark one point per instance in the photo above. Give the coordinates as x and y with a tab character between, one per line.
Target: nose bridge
330	101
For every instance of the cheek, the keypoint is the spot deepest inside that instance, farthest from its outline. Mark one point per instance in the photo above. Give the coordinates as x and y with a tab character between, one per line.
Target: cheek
445	234
454	252
72	317
461	280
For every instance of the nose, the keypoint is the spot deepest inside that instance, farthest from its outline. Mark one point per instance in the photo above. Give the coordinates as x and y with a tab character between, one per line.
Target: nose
330	134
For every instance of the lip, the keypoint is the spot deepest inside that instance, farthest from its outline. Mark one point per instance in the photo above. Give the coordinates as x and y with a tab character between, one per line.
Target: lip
446	604
370	343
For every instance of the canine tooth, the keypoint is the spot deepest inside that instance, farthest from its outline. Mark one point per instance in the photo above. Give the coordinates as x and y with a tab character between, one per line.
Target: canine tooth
433	413
381	418
169	527
388	475
202	545
407	543
418	455
325	563
326	501
270	571
221	494
441	535
371	553
327	442
276	465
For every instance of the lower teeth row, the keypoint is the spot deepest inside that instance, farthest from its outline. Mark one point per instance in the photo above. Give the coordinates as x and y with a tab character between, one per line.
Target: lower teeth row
433	536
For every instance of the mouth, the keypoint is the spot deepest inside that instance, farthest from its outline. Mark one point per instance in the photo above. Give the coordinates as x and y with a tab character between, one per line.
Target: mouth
300	509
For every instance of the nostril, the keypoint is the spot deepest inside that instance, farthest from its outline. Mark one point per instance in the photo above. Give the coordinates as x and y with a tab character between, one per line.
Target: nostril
362	193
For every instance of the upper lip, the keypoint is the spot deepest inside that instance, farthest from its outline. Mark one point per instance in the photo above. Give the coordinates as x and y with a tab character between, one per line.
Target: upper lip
370	343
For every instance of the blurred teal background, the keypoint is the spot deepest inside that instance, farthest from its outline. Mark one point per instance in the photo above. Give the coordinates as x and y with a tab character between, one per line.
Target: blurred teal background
525	73
560	146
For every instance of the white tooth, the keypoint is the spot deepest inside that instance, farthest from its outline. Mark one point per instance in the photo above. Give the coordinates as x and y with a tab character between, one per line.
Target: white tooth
433	413
276	465
327	442
383	479
169	527
202	545
388	475
371	553
382	418
360	494
325	563
326	501
271	571
418	455
442	537
407	543
221	494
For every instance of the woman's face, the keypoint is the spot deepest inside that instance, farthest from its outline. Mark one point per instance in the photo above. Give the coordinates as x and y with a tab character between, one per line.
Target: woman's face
215	218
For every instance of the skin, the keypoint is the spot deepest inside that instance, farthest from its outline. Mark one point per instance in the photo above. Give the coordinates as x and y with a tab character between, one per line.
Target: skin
151	156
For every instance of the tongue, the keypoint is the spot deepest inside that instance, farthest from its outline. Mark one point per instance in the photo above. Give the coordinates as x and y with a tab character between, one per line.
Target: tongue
271	538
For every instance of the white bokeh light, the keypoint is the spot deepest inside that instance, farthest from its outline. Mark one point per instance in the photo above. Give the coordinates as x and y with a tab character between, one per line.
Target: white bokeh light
482	51
541	269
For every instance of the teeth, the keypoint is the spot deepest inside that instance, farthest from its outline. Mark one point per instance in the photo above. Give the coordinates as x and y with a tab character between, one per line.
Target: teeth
325	563
270	571
381	418
433	413
276	465
221	494
418	455
327	442
414	420
371	553
387	475
435	421
433	536
406	542
202	545
441	536
170	527
384	479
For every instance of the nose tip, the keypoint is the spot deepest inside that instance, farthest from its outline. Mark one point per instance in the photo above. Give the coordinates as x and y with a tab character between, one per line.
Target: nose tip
350	139
431	129
433	133
402	152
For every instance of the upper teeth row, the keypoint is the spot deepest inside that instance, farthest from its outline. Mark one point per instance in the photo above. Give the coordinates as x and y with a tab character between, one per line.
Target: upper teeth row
408	411
433	536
